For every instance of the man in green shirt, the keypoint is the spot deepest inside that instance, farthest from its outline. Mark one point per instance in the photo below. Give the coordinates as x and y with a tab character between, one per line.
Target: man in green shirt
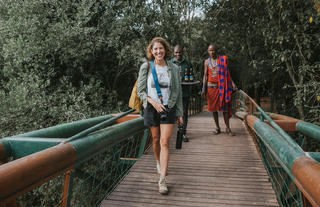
184	66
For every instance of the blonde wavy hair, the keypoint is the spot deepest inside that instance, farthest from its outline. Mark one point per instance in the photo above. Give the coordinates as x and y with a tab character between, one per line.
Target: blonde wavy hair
167	48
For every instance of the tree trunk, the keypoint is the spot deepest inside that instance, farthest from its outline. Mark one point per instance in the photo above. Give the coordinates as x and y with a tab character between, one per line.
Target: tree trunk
256	94
272	104
295	84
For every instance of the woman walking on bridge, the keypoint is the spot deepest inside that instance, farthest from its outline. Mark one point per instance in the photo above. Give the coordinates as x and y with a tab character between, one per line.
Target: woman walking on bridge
217	86
159	88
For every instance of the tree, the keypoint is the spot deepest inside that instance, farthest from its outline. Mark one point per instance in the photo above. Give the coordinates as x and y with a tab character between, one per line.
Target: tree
292	38
274	44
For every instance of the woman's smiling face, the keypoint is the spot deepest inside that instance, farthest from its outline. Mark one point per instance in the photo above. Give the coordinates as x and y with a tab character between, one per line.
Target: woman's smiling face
158	51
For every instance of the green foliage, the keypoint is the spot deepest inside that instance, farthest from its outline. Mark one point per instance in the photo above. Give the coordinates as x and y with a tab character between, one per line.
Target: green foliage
67	60
294	39
48	56
274	45
29	103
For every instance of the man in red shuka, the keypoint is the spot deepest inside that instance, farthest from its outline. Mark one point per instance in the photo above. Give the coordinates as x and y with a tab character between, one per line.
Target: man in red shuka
218	86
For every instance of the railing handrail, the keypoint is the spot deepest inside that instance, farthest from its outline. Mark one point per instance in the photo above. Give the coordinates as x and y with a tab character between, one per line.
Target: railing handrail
52	136
89	145
304	127
304	170
59	158
65	129
95	127
309	129
275	125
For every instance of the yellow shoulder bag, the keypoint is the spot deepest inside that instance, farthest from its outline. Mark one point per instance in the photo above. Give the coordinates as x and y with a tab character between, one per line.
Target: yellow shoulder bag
135	102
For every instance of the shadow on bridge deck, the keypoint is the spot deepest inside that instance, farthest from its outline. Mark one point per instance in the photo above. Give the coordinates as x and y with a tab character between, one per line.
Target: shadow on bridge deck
210	170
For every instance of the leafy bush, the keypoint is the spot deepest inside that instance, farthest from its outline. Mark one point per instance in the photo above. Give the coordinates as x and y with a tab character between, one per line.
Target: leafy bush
28	103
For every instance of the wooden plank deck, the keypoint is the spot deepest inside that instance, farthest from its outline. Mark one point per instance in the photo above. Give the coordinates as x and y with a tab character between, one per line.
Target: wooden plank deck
210	170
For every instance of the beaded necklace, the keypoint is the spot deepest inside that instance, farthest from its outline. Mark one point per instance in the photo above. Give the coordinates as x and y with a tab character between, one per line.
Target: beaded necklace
213	63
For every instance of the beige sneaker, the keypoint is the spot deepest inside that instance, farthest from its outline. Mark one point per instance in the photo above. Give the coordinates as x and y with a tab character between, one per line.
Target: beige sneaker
163	189
158	167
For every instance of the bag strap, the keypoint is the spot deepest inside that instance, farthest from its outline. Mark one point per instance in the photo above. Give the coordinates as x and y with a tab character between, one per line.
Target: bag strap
155	79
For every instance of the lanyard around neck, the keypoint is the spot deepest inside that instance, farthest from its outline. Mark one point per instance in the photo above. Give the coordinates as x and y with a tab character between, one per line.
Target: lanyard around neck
155	79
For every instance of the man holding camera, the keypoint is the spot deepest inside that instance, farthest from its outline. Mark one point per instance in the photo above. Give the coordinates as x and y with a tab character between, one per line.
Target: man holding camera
184	66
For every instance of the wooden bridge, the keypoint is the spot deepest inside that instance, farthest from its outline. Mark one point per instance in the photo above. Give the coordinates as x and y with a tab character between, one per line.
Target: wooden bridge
107	161
210	170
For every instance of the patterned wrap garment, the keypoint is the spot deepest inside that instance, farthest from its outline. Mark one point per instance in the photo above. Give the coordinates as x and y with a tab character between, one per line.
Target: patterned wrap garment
219	85
225	84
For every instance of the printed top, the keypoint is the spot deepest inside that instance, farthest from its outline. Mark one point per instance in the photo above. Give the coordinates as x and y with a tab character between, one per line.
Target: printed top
212	70
164	83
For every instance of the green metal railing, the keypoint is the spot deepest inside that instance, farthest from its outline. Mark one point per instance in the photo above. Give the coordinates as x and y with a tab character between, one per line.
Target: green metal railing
73	164
76	164
97	174
81	163
293	173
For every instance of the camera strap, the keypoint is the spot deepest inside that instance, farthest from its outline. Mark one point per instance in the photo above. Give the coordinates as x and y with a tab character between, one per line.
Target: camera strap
155	79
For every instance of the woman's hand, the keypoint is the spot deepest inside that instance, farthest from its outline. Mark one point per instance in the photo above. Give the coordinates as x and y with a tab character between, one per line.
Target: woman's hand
158	106
180	121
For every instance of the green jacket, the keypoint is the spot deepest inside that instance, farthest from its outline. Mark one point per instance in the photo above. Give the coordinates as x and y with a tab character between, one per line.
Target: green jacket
183	65
175	98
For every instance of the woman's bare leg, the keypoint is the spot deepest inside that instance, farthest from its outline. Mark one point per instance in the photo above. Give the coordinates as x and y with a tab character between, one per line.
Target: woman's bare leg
165	134
155	133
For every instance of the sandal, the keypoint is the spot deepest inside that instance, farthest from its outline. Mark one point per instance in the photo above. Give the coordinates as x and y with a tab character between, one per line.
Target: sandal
228	131
218	131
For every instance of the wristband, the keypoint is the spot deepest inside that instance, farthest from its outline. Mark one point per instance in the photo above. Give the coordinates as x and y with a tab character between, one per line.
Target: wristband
203	89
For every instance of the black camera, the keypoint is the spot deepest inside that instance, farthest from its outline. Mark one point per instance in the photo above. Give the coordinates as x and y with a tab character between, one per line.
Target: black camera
163	115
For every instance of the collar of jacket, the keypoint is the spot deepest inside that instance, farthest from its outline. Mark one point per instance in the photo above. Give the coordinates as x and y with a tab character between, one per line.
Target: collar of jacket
174	60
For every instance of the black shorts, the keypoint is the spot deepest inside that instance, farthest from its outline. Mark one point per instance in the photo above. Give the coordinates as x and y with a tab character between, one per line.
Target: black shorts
152	117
